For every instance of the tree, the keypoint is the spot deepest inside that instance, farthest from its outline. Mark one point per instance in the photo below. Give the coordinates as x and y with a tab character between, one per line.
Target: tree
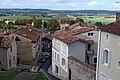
79	20
99	24
53	25
38	23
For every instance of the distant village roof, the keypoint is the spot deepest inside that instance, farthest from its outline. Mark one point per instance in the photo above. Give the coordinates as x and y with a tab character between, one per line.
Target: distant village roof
113	28
68	36
5	41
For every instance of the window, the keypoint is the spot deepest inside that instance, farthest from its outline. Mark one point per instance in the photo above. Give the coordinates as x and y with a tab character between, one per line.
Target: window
56	69
106	57
63	61
89	47
14	58
107	36
90	34
55	55
119	64
58	58
10	62
95	60
11	48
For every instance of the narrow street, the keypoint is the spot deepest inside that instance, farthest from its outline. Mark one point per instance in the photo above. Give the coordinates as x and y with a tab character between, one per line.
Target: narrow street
44	67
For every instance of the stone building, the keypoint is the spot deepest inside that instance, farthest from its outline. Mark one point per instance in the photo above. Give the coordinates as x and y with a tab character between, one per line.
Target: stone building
8	52
27	46
80	42
79	70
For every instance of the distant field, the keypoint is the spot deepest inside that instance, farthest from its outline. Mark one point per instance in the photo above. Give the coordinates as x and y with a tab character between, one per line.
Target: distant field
103	19
15	17
26	17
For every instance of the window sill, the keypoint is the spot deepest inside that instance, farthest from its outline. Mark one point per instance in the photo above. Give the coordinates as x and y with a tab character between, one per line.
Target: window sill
105	64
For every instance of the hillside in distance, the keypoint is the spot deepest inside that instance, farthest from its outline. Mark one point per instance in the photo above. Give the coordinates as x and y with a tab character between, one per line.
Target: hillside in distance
47	11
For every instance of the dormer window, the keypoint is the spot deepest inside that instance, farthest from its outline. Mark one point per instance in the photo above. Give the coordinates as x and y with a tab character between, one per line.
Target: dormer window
90	34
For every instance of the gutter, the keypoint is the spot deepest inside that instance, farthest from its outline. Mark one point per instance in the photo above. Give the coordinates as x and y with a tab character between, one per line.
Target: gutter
98	55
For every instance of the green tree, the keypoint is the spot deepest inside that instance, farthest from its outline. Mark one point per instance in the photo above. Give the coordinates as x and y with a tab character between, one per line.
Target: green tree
53	25
38	23
99	24
79	20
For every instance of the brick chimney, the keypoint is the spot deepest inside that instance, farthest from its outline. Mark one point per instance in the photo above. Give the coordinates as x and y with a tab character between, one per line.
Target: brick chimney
117	16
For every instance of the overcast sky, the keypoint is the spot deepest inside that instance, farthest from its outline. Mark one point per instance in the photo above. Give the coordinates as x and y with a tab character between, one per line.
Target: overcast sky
62	4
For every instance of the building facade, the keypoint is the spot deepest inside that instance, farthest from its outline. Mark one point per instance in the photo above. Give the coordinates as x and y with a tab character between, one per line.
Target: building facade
77	42
108	66
8	52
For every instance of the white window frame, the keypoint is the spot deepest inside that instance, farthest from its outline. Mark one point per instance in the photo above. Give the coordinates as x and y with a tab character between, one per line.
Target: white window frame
109	58
58	58
64	62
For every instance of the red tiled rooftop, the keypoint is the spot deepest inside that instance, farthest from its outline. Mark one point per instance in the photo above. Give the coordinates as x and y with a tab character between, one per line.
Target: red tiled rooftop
6	41
113	28
67	36
26	33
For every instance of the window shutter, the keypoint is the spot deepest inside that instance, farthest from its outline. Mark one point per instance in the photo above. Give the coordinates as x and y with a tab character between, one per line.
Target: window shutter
109	59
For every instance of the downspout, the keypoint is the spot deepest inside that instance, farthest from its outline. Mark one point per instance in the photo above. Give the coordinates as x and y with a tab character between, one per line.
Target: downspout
98	55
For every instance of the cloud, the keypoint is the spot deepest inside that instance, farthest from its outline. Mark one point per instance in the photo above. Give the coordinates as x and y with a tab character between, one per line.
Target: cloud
117	4
92	2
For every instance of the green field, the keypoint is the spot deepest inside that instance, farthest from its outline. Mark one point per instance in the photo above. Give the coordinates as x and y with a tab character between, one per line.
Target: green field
8	75
27	17
85	18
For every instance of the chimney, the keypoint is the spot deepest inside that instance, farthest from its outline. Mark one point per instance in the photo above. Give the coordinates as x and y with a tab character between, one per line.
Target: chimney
66	28
117	16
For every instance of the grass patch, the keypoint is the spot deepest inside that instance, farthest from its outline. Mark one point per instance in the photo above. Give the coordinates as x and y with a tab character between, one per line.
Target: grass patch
7	75
95	19
39	77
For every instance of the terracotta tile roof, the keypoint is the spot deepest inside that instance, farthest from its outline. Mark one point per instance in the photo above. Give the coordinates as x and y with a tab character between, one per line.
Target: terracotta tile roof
5	41
82	63
68	36
113	28
27	34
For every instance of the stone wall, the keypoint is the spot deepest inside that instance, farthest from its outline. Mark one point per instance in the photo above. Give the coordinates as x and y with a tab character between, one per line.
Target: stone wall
25	53
81	71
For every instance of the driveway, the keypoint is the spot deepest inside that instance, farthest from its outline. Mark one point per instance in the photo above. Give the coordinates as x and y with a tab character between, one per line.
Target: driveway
25	76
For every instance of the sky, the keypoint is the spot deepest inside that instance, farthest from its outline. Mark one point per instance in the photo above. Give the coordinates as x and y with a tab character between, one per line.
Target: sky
62	4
